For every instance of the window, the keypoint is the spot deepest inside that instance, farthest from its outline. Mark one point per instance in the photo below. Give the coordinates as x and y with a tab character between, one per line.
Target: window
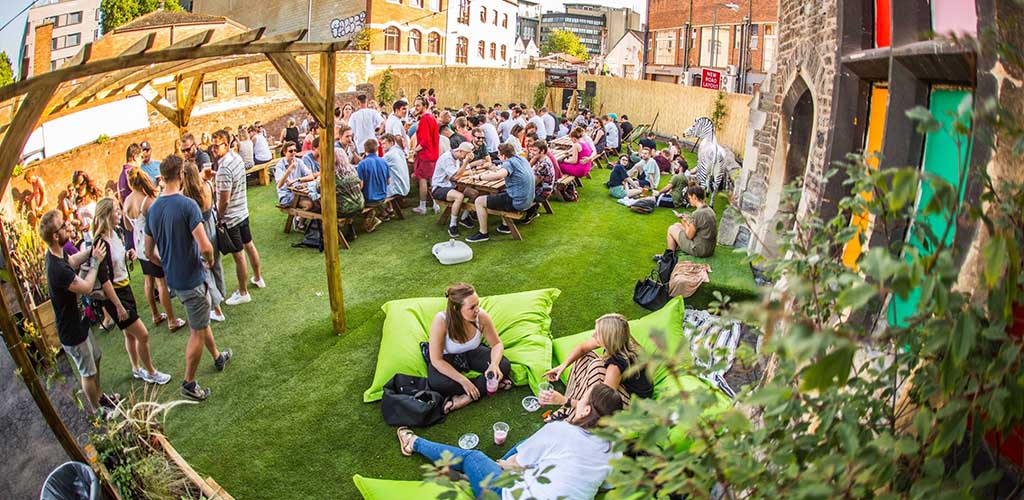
434	43
504	20
503	52
273	81
738	35
663	53
753	36
481	49
96	34
171	96
209	90
97	14
483	14
65	41
494	50
416	3
414	42
73	18
242	85
66	19
392	39
464	11
435	5
394	1
494	17
462	50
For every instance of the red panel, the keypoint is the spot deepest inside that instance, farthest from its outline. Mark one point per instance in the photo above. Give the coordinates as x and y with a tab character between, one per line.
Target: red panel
883	23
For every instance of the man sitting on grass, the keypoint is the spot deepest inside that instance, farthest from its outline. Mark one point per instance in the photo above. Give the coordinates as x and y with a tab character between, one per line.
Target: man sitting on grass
449	166
695	234
518	195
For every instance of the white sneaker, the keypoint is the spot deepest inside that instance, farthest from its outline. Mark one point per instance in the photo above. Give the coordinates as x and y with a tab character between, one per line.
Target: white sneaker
437	208
237	298
157	377
216	317
138	373
258	283
419	210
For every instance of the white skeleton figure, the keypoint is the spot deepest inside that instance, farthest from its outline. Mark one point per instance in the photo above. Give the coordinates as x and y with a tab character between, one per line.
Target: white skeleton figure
715	164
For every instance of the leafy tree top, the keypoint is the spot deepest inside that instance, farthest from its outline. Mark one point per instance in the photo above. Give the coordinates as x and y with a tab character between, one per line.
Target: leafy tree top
117	13
566	42
6	72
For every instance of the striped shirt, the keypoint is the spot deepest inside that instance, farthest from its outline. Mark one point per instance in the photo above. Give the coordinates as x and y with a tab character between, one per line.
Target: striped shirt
231	178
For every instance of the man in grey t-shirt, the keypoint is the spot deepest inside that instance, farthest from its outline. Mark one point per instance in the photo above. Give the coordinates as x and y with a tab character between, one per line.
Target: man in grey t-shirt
233	214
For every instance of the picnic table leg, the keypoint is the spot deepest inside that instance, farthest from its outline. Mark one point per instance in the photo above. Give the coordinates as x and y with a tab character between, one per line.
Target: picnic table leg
263	177
547	206
341	234
443	220
291	215
512	226
396	205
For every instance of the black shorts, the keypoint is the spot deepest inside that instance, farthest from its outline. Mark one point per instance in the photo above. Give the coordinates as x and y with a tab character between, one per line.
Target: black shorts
240	234
441	193
151	269
501	201
124	294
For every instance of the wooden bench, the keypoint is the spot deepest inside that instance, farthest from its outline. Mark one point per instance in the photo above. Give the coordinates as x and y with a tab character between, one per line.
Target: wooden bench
294	212
507	218
262	171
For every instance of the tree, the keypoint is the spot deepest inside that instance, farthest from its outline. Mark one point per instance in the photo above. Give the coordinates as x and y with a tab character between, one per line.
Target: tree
566	42
6	72
119	12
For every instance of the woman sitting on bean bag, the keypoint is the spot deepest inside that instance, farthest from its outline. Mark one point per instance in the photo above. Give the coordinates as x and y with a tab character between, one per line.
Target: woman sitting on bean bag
577	164
456	347
611	332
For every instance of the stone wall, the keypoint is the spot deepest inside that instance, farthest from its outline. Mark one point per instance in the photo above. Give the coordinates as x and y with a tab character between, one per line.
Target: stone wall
675	106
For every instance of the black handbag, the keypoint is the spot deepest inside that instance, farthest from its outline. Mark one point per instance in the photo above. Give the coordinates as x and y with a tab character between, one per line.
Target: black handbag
225	244
409	401
650	293
666	264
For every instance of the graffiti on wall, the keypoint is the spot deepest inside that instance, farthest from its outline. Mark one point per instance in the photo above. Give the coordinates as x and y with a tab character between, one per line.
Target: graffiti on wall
348	25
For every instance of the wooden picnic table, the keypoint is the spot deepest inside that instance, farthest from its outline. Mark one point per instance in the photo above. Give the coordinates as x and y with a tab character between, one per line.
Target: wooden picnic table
486	187
560	148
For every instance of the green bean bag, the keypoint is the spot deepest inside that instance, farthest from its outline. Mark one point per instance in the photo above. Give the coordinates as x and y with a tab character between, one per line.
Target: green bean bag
523	321
386	489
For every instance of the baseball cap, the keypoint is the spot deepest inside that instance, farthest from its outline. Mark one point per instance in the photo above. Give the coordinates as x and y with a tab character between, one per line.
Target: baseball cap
465	146
145	145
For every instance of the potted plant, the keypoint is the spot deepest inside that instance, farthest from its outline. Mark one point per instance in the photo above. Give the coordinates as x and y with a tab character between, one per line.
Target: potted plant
28	269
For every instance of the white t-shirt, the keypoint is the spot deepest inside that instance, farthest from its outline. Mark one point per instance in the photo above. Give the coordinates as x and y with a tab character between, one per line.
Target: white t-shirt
504	129
542	131
611	132
580	460
364	124
394	126
444	169
260	149
549	124
491	138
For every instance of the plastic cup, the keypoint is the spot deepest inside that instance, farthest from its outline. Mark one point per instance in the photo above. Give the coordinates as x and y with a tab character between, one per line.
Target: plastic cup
500	433
543	387
492	383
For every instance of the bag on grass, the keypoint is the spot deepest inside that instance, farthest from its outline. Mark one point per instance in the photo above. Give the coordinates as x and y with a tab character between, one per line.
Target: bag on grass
650	293
667	264
408	400
313	237
643	206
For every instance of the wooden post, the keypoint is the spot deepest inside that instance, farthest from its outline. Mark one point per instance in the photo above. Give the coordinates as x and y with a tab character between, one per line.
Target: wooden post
328	203
179	101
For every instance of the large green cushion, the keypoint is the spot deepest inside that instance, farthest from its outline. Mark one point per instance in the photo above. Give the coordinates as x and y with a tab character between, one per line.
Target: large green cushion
385	489
523	321
668	319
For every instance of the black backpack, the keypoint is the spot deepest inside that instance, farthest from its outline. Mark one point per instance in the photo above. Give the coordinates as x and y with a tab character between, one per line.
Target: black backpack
408	400
314	236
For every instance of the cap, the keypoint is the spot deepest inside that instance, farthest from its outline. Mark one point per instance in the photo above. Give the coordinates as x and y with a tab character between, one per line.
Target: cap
465	146
613	116
145	145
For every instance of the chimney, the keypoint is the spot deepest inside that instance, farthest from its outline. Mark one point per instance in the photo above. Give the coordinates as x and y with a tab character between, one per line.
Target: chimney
41	49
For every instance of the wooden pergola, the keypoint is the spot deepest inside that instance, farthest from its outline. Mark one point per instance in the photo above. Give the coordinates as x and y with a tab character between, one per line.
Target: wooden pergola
131	73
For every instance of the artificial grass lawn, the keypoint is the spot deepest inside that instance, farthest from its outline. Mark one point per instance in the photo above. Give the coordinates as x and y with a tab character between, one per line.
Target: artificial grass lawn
286	418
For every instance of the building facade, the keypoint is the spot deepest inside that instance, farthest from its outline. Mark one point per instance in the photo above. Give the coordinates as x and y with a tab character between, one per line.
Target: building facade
625	57
75	22
525	54
587	25
482	33
528	20
401	32
739	41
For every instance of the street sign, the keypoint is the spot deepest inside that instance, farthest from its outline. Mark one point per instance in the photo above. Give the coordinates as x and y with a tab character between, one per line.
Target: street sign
560	78
711	79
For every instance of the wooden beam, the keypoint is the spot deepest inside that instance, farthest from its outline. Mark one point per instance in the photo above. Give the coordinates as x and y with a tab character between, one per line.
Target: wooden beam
328	203
185	107
22	125
141	45
154	101
302	85
80	57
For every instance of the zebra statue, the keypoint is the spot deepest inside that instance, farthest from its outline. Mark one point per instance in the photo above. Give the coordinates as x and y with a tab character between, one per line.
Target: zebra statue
715	164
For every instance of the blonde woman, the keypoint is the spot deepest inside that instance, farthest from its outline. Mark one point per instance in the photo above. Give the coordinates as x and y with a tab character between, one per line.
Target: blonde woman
136	205
120	303
611	333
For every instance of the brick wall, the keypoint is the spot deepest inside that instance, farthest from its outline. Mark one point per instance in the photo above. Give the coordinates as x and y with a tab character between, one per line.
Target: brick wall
41	49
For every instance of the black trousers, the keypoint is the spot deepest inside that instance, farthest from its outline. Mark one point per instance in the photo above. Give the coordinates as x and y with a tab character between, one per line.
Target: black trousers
478	359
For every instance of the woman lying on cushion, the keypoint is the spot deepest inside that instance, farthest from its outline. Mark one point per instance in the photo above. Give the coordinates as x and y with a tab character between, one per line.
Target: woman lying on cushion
580	459
611	332
456	347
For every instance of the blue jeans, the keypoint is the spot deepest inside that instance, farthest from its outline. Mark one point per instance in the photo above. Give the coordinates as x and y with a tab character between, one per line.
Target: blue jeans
474	464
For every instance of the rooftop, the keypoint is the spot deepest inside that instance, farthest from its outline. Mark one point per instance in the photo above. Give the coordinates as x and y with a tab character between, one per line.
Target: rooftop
160	18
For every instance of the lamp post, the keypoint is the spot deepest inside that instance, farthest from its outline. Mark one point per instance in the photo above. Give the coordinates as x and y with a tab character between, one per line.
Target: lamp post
714	29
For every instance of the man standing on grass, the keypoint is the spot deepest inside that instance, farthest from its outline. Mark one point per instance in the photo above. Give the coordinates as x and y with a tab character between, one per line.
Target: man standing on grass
426	152
395	124
65	286
174	226
150	166
550	123
233	214
364	123
132	159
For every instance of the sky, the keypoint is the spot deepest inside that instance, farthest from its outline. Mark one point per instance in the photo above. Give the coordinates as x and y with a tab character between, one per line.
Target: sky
10	37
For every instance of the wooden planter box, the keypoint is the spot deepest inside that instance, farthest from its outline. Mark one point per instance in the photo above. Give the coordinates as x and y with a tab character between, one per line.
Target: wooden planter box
46	323
211	490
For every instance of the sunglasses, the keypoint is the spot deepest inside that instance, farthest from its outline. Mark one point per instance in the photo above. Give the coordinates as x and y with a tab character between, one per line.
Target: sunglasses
478	137
290	150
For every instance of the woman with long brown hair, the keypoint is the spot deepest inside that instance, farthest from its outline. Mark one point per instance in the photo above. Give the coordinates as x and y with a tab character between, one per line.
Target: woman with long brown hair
456	347
120	302
201	191
136	206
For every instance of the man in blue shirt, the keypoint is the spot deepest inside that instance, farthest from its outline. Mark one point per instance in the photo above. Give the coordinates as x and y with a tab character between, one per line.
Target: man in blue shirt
150	166
176	241
374	173
518	195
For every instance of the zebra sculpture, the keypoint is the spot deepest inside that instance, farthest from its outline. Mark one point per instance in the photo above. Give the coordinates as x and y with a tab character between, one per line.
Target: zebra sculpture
715	164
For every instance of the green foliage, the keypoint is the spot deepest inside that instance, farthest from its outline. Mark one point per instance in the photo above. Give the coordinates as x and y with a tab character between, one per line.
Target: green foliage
718	111
117	13
363	38
386	88
6	71
100	139
540	94
565	42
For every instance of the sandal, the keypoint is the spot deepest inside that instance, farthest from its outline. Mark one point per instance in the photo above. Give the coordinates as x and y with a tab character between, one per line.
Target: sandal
451	404
505	384
177	325
159	319
406	437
